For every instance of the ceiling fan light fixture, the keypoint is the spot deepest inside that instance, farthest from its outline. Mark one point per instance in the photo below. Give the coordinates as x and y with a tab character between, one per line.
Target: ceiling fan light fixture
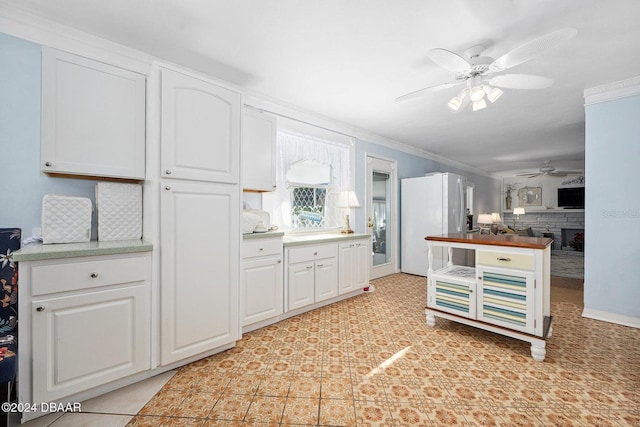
476	93
493	93
459	101
479	105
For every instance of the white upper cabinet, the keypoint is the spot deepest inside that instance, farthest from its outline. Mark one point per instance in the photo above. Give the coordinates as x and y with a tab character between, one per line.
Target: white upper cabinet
258	151
200	134
93	117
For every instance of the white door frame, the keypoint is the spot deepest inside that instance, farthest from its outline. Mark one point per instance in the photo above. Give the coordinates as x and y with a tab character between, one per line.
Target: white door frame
373	163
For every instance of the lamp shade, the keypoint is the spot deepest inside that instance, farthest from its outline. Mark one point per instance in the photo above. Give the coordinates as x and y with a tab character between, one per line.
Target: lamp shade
485	219
348	199
518	211
495	218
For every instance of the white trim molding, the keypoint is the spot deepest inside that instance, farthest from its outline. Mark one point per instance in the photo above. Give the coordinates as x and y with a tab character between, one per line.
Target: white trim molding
611	91
606	316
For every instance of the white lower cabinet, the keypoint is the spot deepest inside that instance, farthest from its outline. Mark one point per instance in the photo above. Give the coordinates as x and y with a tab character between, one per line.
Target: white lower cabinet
84	323
261	281
354	260
87	340
312	274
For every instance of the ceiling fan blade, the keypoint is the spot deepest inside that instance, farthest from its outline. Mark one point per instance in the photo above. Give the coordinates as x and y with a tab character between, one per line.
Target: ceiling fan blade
531	49
530	175
448	60
429	89
520	81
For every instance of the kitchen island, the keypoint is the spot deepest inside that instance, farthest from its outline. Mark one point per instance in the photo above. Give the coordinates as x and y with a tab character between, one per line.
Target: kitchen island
507	292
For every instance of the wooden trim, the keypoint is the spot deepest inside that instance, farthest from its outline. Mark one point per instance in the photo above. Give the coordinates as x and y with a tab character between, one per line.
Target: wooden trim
509	240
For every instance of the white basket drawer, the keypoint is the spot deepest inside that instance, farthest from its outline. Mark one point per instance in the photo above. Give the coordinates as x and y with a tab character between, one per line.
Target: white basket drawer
507	260
310	253
261	247
68	276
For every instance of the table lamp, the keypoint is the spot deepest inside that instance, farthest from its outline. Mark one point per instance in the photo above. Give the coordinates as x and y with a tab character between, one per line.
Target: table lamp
483	221
517	212
347	199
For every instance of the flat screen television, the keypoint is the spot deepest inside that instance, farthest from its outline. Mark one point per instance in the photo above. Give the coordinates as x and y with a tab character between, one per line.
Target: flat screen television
571	198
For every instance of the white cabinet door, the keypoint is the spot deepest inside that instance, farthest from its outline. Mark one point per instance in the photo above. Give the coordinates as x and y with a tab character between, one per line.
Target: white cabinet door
301	283
326	278
200	134
87	340
363	263
347	266
354	265
93	117
200	267
261	289
258	151
506	298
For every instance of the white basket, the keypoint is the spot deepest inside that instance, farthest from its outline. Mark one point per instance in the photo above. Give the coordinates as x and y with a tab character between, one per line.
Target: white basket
119	211
66	219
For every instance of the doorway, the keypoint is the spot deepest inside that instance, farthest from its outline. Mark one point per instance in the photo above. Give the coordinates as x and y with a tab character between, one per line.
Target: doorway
381	214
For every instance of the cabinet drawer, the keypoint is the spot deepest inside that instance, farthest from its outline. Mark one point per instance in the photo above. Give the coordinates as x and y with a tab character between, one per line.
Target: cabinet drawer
261	247
310	253
509	260
74	275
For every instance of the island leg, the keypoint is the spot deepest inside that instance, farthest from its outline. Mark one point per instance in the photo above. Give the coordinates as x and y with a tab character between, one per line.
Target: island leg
431	320
538	351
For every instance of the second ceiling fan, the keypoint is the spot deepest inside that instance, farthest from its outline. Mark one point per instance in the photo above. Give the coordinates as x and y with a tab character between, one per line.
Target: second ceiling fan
477	72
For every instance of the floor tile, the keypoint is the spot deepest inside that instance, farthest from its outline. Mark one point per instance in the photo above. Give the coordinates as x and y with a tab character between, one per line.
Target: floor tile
337	412
299	410
130	399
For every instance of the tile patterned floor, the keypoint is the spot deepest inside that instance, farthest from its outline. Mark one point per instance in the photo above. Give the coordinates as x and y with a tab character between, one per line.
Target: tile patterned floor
372	361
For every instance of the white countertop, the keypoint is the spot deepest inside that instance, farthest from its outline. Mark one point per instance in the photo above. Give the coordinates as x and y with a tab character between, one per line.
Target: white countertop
38	251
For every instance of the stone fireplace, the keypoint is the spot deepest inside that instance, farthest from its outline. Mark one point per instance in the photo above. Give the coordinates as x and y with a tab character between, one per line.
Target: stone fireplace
552	223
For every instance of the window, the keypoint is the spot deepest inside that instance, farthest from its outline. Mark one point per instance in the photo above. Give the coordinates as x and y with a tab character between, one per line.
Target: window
310	174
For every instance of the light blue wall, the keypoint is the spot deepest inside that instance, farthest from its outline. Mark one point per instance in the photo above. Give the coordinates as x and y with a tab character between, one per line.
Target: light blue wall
612	207
22	185
487	191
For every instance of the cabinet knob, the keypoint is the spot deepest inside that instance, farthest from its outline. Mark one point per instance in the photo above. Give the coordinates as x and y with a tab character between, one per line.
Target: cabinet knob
261	249
470	291
275	186
94	275
168	187
167	172
279	261
49	164
315	253
40	308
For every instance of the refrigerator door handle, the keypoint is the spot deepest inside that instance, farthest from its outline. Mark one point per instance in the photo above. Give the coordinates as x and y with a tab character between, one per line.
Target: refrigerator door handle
460	205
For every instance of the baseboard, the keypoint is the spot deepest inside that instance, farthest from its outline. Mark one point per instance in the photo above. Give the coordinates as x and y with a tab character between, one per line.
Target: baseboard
605	316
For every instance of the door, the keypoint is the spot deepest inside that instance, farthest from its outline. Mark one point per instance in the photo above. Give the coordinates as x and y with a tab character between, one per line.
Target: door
381	214
262	289
113	324
200	134
326	279
301	281
200	267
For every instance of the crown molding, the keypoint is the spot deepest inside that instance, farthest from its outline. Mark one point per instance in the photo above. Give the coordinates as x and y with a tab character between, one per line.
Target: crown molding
28	26
611	91
269	104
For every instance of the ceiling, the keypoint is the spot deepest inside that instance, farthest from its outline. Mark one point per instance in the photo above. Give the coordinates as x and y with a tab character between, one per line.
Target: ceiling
347	60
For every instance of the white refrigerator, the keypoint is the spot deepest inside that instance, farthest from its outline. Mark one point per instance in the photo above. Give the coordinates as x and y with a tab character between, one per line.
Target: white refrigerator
430	205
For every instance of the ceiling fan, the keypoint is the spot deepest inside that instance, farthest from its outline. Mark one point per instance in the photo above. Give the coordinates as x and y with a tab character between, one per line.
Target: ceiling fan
478	72
549	170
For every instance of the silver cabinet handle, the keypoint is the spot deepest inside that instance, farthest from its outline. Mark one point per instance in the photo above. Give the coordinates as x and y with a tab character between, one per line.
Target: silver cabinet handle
309	267
48	164
40	308
168	172
261	249
320	265
279	261
168	187
315	253
501	258
94	275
